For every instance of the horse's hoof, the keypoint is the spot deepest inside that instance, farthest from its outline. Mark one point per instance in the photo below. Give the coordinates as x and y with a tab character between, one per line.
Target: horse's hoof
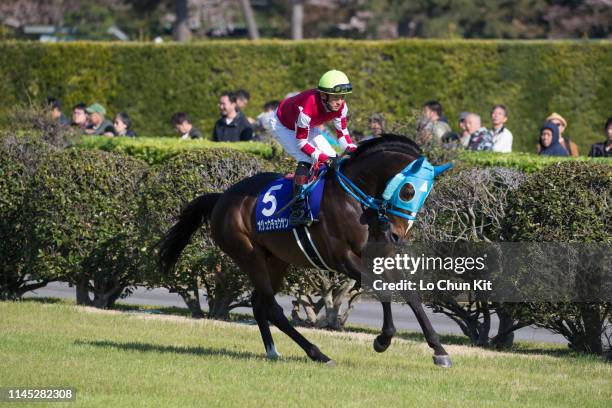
330	363
380	347
443	361
272	354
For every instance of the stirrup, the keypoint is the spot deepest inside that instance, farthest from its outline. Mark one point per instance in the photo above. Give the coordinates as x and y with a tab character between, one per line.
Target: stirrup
298	216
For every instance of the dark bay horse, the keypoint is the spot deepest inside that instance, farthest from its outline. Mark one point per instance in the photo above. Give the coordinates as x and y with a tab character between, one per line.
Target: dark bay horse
345	228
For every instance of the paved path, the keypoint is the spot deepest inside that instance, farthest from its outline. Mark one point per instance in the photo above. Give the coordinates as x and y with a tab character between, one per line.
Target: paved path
365	313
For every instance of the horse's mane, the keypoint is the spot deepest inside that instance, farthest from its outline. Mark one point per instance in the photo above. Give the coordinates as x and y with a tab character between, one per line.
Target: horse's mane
388	142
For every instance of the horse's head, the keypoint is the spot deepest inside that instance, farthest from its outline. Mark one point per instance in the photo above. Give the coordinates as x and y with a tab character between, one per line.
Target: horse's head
396	180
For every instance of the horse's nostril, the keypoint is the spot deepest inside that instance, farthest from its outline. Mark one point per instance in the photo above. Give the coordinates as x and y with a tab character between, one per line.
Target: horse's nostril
395	237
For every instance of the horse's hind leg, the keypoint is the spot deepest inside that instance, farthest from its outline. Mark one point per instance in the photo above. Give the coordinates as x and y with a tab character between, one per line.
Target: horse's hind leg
266	275
278	318
383	340
259	312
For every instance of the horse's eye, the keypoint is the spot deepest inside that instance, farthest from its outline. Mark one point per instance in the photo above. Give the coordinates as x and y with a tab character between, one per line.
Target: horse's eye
407	192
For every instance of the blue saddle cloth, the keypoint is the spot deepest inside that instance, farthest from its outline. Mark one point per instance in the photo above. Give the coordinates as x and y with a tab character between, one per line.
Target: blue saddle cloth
276	195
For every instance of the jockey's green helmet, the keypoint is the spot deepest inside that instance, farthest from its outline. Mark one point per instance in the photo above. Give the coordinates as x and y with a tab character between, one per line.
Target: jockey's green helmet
335	83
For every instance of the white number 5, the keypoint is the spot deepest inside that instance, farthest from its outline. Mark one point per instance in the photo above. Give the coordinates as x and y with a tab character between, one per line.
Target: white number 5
269	198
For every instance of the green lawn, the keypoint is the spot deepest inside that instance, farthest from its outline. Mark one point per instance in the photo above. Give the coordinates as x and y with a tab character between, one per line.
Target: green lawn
127	359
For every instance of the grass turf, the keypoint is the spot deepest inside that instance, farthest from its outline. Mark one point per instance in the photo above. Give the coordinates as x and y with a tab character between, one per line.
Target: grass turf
127	359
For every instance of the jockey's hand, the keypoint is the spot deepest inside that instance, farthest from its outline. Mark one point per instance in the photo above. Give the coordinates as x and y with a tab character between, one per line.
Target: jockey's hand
350	149
332	162
322	158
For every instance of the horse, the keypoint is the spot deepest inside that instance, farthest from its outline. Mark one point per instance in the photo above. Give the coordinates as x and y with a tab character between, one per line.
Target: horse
346	225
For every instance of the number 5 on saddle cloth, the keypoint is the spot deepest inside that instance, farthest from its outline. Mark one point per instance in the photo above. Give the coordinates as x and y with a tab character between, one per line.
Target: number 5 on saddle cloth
273	204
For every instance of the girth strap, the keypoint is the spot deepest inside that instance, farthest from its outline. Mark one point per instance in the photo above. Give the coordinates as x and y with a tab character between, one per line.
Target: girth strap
306	244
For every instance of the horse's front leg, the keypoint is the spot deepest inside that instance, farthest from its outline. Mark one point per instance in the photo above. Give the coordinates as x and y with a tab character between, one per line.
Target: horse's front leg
352	266
383	340
440	357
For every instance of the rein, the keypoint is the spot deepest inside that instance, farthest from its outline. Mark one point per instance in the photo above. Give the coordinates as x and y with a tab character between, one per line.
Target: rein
379	205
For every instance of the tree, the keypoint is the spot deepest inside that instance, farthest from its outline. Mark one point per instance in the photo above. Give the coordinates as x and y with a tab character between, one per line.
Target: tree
250	19
181	31
297	20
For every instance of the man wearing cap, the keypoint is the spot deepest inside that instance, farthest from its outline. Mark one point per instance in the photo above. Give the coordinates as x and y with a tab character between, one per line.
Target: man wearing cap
98	125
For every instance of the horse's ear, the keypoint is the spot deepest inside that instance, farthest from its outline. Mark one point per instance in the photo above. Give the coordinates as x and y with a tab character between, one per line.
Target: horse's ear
441	169
416	165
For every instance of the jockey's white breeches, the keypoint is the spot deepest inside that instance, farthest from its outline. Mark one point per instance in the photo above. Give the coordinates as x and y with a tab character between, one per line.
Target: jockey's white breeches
286	137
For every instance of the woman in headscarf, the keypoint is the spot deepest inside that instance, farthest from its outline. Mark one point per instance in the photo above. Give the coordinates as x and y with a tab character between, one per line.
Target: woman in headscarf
549	141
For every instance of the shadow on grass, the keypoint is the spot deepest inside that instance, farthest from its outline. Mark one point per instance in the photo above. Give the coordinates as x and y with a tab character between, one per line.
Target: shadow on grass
46	300
196	351
414	336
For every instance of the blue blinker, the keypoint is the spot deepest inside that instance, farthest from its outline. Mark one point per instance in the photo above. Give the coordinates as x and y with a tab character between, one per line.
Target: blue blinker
420	174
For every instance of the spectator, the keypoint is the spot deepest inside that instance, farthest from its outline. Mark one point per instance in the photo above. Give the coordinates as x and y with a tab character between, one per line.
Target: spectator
603	149
79	116
242	100
55	108
262	123
549	141
480	137
123	125
377	125
184	127
438	129
233	125
502	137
98	125
464	135
564	140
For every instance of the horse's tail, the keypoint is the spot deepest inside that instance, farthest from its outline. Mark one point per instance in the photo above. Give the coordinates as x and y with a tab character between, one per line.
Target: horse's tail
191	218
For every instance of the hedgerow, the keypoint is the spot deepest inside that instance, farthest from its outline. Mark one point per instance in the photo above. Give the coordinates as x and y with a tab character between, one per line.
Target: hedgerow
151	82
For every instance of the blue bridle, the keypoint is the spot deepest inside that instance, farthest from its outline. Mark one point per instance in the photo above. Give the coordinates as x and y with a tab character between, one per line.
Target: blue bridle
419	173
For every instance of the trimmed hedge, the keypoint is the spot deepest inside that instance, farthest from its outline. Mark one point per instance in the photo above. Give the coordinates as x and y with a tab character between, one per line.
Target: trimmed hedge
160	149
83	204
152	81
526	162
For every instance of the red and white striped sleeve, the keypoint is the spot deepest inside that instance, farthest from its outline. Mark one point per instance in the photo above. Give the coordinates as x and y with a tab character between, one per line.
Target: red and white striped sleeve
302	128
344	139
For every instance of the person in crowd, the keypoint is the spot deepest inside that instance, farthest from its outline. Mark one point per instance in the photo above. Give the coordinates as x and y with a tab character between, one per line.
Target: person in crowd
480	137
232	126
184	127
432	125
55	108
262	122
123	125
564	139
464	135
98	124
603	149
79	116
502	137
296	128
549	141
242	100
376	124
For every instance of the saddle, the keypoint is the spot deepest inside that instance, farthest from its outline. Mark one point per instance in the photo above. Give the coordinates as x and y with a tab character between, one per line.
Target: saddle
273	203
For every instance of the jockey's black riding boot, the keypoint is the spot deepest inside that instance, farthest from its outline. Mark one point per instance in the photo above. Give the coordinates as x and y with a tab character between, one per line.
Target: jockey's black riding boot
298	214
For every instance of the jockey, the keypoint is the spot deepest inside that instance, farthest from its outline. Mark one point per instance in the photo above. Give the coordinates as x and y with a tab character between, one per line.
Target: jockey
296	127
